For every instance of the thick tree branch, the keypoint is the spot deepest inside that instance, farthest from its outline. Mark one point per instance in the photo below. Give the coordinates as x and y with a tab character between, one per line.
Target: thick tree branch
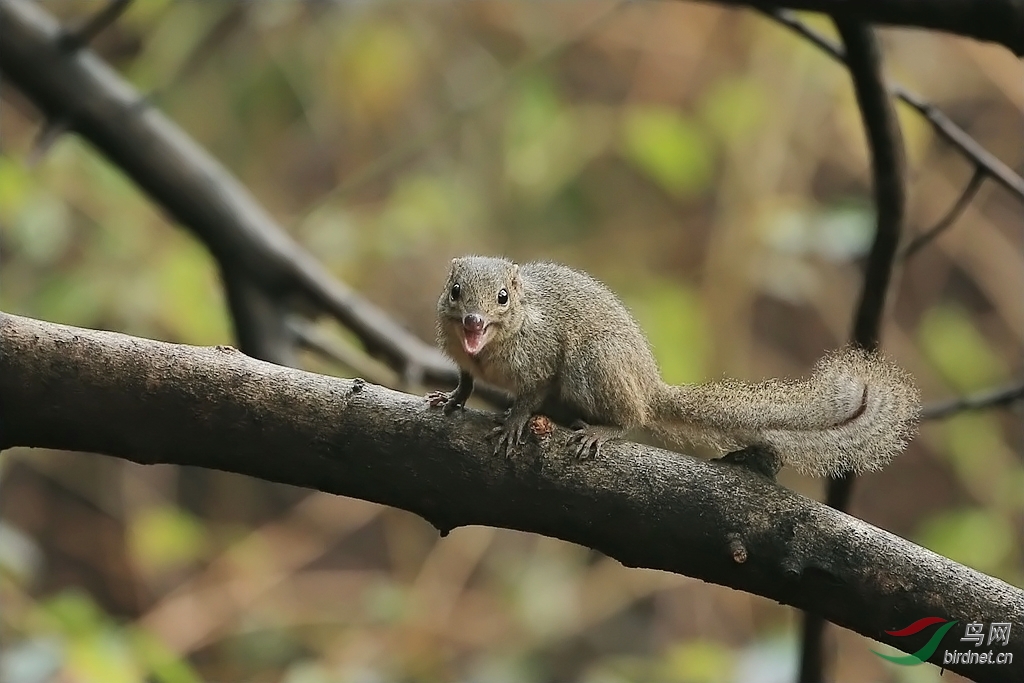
79	89
998	21
152	402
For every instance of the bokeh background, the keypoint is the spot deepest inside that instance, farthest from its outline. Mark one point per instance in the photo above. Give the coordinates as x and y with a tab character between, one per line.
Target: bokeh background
706	163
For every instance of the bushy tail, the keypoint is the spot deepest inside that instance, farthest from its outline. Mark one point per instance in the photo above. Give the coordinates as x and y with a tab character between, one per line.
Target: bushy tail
856	412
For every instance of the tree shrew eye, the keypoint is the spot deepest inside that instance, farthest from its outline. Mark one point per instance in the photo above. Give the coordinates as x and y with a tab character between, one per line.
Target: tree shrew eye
503	296
456	291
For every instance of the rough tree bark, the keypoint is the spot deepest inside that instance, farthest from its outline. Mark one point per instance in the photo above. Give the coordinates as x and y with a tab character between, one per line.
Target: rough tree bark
152	402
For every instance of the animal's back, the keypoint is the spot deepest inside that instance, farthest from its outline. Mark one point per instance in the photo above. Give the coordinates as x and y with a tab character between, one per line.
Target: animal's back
608	370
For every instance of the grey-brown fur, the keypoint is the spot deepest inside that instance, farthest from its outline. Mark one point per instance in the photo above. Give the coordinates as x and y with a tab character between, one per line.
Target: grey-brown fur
565	345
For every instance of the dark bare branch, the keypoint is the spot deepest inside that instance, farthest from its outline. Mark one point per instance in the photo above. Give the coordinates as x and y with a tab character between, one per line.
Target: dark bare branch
186	181
946	221
260	320
80	37
998	21
968	146
940	122
152	402
993	398
864	60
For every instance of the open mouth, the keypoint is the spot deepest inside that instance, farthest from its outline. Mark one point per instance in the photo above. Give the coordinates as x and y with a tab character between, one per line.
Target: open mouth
474	340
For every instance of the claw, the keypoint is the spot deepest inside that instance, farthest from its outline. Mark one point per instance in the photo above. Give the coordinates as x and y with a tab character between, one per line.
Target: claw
588	440
509	436
437	398
445	399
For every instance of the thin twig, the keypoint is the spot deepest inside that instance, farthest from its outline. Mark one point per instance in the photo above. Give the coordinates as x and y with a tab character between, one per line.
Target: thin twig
942	124
954	212
991	398
78	38
864	61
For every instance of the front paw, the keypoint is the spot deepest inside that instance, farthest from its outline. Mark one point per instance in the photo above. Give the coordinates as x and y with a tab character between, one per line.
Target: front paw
444	399
509	436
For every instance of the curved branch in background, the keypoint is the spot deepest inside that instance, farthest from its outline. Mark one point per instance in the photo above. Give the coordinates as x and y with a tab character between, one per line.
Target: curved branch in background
79	89
961	203
941	124
998	21
993	398
153	402
864	60
888	171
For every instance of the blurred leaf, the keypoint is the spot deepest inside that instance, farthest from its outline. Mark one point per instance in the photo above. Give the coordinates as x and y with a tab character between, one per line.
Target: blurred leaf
953	344
733	108
977	538
74	613
141	15
165	538
192	300
845	232
670	148
70	298
102	658
42	228
768	660
385	602
15	186
308	672
20	555
332	232
163	665
548	594
918	135
424	208
535	106
838	233
547	144
171	41
983	460
32	661
698	661
374	68
672	316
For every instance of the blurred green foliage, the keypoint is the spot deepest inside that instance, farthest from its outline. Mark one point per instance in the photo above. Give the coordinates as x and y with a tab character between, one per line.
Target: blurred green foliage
671	148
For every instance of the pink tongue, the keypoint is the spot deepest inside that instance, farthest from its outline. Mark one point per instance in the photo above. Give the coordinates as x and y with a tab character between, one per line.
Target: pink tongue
472	341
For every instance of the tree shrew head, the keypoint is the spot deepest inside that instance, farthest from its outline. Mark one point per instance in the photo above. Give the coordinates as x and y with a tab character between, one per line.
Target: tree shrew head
480	297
